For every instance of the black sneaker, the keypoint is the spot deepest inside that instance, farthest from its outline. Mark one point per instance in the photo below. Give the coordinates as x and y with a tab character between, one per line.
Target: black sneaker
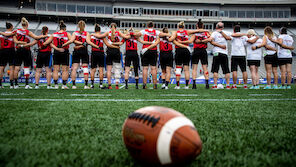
137	87
155	86
207	86
92	86
126	87
144	86
194	86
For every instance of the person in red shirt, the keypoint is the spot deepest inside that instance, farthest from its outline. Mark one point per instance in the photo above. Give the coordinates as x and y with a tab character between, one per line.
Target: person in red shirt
60	54
98	57
43	58
80	54
200	41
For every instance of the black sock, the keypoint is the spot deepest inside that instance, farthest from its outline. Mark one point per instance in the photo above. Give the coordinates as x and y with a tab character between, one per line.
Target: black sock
15	81
163	81
27	81
86	82
283	84
137	81
178	83
207	81
64	82
126	82
194	82
187	81
55	82
101	82
166	83
36	84
48	84
11	82
92	82
144	85
0	82
74	82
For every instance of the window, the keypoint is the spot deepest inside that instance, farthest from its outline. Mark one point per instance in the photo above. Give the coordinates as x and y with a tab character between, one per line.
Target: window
51	7
216	13
199	13
152	11
258	14
232	13
211	13
206	12
144	11
250	14
241	14
274	14
61	7
80	9
221	13
115	10
100	9
91	9
267	14
287	14
41	6
122	24
281	14
170	12
71	8
129	11
226	13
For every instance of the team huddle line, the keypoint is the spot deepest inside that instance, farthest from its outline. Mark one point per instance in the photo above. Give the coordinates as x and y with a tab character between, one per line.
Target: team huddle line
246	50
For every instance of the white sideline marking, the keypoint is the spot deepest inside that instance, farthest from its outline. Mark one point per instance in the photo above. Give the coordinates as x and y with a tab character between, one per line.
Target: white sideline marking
121	86
144	100
265	94
179	95
11	94
85	95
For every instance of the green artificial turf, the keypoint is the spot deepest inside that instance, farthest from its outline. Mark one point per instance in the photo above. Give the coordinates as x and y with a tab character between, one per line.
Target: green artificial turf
88	133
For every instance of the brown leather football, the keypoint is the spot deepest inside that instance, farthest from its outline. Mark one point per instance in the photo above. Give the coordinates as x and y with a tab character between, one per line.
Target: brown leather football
161	136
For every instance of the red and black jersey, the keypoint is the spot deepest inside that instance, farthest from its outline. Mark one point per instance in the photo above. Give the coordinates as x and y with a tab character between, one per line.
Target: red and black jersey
80	36
117	37
23	35
43	48
149	36
182	36
131	44
59	38
165	45
200	36
7	42
98	42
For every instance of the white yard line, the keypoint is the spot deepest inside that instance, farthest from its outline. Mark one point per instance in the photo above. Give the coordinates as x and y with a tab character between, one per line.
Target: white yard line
143	100
179	95
265	94
11	94
86	95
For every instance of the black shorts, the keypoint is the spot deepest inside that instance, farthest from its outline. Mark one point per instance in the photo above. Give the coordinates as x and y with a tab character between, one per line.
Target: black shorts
97	59
149	58
238	61
166	59
271	59
131	56
284	61
222	60
61	58
43	59
113	55
254	63
182	57
80	54
7	56
200	54
23	55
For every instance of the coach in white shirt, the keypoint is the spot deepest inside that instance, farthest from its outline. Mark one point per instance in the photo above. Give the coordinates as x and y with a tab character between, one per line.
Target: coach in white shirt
219	40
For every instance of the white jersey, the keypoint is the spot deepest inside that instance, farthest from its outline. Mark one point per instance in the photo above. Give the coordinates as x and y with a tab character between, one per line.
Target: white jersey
282	52
254	54
218	38
272	44
238	46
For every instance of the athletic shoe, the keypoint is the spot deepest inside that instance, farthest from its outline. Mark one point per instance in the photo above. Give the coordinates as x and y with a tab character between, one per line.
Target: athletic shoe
36	87
228	87
74	87
257	87
16	86
177	87
155	87
194	86
1	87
144	87
215	87
252	87
92	86
56	86
245	87
28	87
207	86
163	86
65	87
116	87
166	88
137	87
288	87
282	87
126	86
49	87
11	87
186	87
267	87
275	87
233	87
86	87
110	87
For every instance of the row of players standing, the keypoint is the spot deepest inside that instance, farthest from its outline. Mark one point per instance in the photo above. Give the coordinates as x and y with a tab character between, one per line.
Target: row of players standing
180	38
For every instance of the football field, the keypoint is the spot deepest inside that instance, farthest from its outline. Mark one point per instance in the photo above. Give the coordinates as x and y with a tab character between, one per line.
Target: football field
83	127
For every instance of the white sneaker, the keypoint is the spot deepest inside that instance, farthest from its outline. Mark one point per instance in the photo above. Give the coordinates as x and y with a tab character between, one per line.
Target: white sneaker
56	86
36	87
65	87
186	87
28	87
166	88
16	86
11	87
163	86
49	87
74	87
1	87
86	87
177	87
